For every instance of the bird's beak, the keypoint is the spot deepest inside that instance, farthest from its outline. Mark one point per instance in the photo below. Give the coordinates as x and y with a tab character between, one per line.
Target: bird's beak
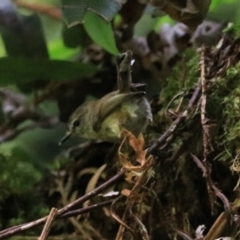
66	137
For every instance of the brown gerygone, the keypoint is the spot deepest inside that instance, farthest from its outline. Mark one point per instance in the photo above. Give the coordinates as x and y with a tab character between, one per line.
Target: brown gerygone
104	119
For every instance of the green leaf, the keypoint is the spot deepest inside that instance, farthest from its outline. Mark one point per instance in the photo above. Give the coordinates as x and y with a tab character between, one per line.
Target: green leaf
75	36
101	32
57	50
24	70
74	10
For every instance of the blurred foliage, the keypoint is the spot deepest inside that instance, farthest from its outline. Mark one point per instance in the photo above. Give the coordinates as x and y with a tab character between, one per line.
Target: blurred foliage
18	177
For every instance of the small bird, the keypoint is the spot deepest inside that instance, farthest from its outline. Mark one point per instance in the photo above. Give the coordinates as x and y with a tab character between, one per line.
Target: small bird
104	119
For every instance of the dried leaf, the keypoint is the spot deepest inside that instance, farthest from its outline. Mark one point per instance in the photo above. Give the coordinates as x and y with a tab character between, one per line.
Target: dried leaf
136	143
129	177
126	192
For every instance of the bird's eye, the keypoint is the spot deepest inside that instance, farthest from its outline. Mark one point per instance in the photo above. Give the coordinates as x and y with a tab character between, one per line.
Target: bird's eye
76	123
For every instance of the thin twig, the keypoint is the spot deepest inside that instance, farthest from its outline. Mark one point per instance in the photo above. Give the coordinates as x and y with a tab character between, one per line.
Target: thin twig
117	218
203	105
94	192
23	227
46	9
177	122
132	198
141	226
212	186
205	128
182	234
218	227
86	209
52	215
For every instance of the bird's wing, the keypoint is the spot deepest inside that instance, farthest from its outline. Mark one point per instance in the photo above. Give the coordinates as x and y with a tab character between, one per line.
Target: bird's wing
110	103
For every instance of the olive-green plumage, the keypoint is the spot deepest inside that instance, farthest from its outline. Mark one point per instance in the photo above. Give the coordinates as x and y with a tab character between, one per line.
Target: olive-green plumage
105	118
